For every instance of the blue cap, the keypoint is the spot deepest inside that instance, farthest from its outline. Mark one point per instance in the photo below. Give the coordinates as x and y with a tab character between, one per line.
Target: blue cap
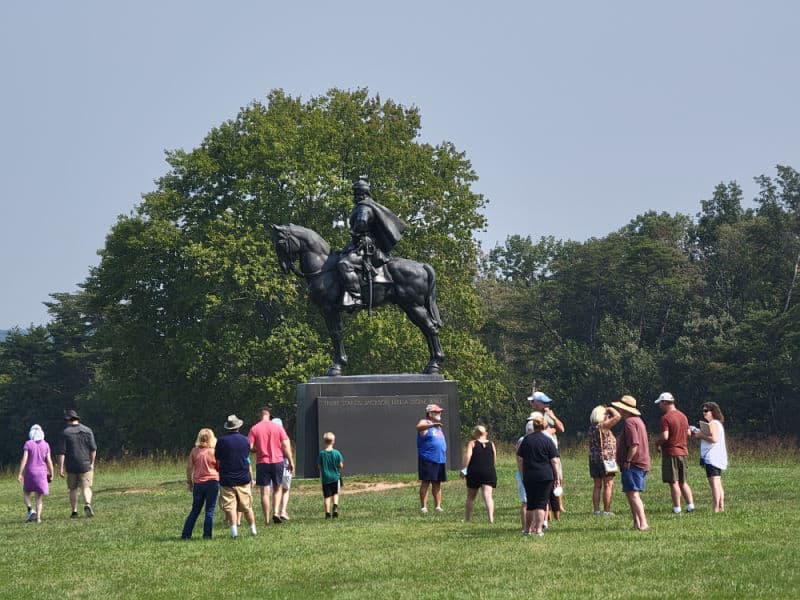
540	397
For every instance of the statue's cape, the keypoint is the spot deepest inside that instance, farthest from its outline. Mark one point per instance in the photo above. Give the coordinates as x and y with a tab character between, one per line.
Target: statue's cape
388	227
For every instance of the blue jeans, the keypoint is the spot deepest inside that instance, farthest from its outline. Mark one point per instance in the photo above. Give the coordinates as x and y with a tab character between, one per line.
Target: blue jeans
202	493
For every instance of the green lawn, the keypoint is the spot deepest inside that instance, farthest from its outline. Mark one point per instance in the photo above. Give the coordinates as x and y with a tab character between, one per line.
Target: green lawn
382	547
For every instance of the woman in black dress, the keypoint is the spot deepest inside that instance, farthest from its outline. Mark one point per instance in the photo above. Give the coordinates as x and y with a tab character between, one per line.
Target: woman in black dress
479	470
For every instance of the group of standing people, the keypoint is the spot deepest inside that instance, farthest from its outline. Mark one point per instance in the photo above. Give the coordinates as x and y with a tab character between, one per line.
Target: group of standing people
222	468
629	454
76	450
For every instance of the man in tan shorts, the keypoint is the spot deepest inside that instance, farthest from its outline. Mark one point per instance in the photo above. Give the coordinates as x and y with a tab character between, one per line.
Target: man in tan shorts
232	453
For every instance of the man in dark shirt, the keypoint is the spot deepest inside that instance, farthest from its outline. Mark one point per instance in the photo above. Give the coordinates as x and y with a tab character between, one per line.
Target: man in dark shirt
233	454
76	452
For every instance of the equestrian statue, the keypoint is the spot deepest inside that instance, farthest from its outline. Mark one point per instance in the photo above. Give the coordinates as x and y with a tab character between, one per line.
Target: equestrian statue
363	274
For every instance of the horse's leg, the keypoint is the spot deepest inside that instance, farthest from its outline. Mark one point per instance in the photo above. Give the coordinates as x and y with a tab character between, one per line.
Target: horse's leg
420	316
333	319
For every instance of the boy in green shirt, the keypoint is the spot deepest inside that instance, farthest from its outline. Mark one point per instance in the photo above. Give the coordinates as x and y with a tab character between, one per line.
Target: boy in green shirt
330	462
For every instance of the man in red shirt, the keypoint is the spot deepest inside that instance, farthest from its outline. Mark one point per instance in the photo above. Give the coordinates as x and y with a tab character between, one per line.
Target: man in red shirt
674	447
633	457
270	443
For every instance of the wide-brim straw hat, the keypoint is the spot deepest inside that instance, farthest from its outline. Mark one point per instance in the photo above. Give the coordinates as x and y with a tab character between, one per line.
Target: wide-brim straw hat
627	403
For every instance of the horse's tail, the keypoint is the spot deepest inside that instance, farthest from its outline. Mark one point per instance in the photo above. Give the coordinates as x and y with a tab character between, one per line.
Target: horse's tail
430	297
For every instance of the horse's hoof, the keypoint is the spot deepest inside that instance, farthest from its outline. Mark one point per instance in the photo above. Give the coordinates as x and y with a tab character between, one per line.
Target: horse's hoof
431	369
334	371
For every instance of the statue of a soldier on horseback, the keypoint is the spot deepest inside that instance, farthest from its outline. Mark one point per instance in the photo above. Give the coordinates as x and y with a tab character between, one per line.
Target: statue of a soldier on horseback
363	274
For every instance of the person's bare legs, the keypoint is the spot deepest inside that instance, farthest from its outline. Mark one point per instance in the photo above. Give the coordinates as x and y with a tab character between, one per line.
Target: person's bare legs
686	491
608	486
277	495
73	499
717	494
87	495
472	493
637	510
264	493
39	505
538	520
529	518
436	489
488	500
597	490
284	503
675	494
522	512
423	494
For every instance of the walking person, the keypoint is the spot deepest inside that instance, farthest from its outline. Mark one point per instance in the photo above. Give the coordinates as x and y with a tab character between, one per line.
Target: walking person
286	480
431	457
479	469
713	452
330	464
673	443
233	456
633	457
602	450
271	446
77	452
35	473
202	477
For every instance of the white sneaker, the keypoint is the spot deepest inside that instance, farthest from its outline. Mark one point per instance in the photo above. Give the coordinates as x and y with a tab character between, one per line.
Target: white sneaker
439	509
597	513
423	510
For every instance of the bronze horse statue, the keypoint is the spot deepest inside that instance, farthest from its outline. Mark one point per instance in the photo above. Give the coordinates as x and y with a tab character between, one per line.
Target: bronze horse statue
412	288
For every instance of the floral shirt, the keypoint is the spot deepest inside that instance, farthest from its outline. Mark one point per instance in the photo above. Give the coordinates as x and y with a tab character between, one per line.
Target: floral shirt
602	445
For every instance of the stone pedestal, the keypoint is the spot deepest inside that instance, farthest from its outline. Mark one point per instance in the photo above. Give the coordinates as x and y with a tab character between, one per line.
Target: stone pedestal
374	418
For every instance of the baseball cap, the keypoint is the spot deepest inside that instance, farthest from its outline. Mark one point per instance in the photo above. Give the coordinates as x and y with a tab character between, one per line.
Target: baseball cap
541	397
665	397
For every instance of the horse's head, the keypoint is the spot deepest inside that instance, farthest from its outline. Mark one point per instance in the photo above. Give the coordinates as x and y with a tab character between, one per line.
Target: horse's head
285	246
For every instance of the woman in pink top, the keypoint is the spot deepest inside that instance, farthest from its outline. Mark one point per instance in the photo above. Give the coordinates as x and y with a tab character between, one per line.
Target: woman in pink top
35	472
202	477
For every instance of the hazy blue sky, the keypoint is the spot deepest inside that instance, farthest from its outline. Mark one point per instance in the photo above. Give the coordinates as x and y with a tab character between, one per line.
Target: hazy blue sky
577	116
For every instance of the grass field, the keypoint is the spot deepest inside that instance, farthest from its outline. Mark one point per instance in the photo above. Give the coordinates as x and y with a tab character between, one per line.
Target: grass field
381	547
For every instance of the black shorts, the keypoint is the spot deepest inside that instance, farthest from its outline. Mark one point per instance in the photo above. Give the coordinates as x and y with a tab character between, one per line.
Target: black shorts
269	474
330	489
538	493
431	471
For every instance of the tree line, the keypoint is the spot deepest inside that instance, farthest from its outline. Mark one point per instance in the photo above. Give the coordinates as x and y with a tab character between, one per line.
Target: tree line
187	318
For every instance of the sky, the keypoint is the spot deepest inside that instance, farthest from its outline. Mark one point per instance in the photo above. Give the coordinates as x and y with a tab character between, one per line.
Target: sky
576	116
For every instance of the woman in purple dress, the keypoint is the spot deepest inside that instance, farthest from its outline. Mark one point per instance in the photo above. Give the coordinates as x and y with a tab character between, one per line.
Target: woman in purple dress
35	472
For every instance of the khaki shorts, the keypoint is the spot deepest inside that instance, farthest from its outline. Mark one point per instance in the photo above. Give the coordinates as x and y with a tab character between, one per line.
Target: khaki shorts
673	468
236	498
80	480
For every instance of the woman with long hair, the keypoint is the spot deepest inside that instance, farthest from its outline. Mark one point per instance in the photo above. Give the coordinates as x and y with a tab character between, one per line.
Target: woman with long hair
202	477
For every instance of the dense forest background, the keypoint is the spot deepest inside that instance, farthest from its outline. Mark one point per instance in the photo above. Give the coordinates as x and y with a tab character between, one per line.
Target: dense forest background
187	318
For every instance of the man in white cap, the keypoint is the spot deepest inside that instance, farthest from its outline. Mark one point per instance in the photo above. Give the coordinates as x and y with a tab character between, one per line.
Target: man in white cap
432	457
673	443
540	402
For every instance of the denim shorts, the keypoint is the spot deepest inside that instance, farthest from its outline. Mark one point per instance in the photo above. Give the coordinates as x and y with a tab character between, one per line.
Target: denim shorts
633	479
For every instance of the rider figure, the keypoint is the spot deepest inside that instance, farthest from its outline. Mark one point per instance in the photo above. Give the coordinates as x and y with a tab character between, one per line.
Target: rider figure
374	231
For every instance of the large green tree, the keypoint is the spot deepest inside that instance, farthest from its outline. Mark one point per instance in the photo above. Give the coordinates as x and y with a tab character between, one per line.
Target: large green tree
196	320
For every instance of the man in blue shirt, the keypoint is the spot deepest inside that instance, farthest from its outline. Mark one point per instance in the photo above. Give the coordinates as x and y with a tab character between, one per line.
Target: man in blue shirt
432	457
233	454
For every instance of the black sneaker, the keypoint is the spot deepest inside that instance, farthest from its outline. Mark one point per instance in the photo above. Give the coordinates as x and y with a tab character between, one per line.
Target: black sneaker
88	511
276	519
74	515
31	517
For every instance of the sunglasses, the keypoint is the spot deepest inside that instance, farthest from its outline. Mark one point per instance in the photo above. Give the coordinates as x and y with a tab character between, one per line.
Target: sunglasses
707	410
